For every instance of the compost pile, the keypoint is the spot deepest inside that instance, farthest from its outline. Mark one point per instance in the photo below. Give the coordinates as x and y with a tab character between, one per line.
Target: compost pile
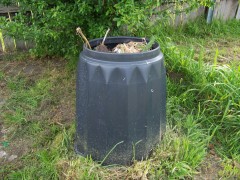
130	47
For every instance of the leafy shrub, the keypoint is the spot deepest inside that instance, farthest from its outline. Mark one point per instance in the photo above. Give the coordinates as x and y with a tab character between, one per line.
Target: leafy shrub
51	24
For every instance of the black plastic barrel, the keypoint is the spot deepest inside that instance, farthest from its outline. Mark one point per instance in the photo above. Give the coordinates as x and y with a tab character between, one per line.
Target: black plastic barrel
121	102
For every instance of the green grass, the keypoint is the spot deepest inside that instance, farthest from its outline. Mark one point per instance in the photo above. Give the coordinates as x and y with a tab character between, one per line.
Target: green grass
205	39
177	157
1	75
202	112
25	99
215	88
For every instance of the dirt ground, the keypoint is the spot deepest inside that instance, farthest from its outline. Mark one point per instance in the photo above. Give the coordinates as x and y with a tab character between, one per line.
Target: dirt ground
60	110
210	168
224	50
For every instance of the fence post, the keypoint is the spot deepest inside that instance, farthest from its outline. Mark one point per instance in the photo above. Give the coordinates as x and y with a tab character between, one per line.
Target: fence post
2	41
210	13
238	13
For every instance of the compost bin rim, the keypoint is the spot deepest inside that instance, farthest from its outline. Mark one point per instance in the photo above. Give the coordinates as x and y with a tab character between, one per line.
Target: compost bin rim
119	57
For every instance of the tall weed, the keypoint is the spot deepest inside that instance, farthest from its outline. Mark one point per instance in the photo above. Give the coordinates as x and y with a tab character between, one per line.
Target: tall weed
213	87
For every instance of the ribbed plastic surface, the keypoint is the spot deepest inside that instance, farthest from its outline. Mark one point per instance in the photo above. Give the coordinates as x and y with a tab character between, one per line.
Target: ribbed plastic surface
121	99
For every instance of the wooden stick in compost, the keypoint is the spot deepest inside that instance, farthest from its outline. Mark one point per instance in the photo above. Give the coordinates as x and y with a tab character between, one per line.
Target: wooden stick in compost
105	36
79	32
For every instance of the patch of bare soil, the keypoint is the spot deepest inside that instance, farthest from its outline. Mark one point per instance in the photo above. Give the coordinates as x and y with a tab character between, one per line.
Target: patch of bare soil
61	111
210	168
30	68
15	150
226	51
64	113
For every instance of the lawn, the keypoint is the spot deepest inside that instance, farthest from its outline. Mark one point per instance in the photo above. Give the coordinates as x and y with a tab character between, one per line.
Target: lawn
37	112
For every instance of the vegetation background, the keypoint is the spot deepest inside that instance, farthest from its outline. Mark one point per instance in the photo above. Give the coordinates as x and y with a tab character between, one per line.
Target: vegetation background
51	25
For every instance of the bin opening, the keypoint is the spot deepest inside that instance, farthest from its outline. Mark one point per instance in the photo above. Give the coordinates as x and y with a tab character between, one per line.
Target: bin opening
127	45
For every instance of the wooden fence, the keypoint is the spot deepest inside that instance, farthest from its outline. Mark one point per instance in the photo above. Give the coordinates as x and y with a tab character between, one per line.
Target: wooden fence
224	9
7	43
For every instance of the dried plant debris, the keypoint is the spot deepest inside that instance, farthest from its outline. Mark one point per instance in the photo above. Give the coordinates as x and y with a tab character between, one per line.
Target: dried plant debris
131	47
80	33
101	47
134	47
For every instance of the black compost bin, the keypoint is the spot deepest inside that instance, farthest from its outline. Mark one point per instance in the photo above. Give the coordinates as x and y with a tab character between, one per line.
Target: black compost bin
121	102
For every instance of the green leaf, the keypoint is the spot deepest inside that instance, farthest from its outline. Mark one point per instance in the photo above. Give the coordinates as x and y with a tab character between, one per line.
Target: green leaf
5	144
118	23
